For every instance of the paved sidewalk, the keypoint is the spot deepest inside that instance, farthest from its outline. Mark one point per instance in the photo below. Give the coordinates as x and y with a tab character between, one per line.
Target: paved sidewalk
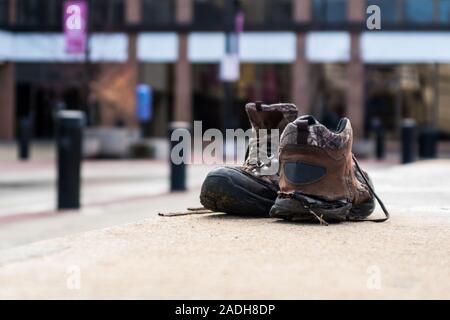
28	197
30	187
218	256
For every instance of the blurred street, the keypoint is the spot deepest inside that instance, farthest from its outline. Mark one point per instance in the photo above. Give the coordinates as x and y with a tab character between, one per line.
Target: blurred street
118	232
29	193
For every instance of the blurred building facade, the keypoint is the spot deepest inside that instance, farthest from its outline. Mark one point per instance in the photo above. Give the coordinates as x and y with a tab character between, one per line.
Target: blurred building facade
318	54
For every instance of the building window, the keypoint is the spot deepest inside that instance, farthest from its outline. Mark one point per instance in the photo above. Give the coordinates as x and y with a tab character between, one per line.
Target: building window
35	13
266	12
157	12
330	11
106	14
444	11
53	13
390	12
29	12
4	12
209	12
213	13
414	11
103	14
418	11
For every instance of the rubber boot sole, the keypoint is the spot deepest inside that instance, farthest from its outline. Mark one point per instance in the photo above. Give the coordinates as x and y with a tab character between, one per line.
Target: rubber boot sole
306	208
295	209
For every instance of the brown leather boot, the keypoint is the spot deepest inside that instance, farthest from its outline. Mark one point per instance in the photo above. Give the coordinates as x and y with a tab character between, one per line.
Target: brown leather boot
251	189
319	176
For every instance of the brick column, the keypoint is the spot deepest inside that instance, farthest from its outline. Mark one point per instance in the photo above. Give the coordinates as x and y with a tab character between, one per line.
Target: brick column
183	86
133	67
183	72
133	11
356	10
133	16
184	11
12	11
7	102
355	70
7	90
302	10
301	68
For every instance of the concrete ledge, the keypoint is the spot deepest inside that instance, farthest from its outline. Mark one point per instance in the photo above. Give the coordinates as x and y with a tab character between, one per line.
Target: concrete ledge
223	257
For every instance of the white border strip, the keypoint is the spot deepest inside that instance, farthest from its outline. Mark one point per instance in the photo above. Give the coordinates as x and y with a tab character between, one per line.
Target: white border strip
256	47
268	47
5	46
405	47
33	47
328	47
206	47
157	47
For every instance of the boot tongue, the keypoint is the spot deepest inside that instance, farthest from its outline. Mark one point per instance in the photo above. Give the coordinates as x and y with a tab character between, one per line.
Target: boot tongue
260	154
274	116
268	119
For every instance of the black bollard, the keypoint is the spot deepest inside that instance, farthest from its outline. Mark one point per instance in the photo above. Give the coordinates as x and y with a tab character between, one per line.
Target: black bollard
177	170
69	144
25	128
408	141
380	139
428	138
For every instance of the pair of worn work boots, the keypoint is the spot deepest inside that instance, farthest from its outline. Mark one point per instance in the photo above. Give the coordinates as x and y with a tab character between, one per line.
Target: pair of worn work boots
312	174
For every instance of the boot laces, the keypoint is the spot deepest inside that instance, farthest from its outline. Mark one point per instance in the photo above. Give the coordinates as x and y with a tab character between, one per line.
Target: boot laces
372	191
259	152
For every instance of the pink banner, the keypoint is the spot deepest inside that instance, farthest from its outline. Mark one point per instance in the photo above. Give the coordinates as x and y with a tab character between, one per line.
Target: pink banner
75	26
239	22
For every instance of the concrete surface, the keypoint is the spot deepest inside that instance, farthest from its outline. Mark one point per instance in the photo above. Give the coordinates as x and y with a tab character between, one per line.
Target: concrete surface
218	256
